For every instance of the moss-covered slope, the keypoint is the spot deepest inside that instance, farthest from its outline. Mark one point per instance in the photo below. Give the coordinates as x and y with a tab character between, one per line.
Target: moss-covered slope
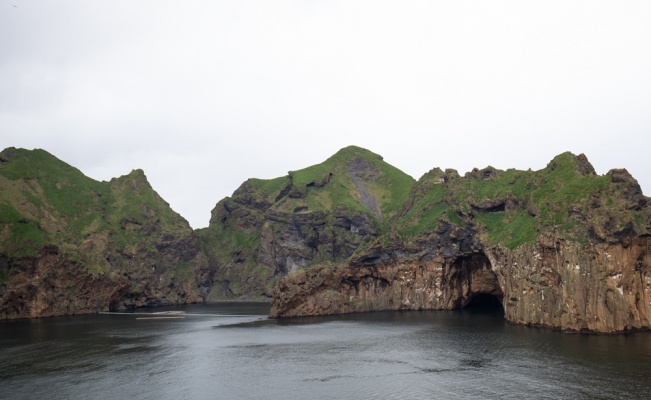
567	199
119	237
322	213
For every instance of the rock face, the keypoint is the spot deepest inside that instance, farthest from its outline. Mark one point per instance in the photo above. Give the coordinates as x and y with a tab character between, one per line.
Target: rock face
560	248
596	288
72	245
323	213
602	288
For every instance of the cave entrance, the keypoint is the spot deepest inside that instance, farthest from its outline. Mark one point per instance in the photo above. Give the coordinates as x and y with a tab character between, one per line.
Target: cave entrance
477	284
485	302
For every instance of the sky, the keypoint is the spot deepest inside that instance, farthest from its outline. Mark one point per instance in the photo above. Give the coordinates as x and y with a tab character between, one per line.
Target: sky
203	95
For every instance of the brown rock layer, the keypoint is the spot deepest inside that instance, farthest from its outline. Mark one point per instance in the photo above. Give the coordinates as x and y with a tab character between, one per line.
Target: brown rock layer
595	288
601	288
55	284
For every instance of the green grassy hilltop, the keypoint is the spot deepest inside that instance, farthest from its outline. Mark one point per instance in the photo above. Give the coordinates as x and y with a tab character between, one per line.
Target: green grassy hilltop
513	207
121	231
317	214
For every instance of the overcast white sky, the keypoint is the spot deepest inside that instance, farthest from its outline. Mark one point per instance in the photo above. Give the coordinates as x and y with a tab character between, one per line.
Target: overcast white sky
205	94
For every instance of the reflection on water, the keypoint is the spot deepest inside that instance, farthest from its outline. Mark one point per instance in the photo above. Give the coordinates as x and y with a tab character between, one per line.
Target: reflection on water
233	351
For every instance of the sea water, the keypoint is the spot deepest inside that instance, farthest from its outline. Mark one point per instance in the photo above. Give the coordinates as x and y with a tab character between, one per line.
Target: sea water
232	351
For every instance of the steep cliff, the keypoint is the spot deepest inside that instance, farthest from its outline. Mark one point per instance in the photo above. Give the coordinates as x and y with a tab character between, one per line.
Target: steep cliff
561	247
72	245
323	213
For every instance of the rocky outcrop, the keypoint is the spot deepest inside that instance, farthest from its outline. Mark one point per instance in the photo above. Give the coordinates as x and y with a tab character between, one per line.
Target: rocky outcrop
561	248
72	245
54	283
444	272
324	213
590	288
51	284
602	288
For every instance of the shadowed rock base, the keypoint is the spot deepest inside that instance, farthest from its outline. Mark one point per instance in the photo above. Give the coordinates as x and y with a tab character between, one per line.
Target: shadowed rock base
601	288
54	284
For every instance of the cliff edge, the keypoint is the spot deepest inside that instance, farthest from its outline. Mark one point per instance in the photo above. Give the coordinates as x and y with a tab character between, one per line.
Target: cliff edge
562	248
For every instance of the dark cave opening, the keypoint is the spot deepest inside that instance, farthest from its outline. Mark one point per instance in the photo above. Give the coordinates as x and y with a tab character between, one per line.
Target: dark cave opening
485	302
482	291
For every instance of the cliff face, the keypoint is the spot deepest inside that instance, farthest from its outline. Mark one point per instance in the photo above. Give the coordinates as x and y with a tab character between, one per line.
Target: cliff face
323	213
72	245
53	284
603	288
598	288
560	248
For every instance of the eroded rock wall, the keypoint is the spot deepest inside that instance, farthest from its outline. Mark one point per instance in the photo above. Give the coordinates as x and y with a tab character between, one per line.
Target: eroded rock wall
605	288
428	285
279	242
324	213
595	288
172	270
437	274
54	283
51	285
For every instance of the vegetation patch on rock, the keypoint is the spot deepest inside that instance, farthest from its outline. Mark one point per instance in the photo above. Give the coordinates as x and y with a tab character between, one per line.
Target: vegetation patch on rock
269	228
514	207
120	236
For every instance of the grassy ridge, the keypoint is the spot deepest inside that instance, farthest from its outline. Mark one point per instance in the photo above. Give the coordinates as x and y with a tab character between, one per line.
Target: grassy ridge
44	200
387	184
513	207
303	209
327	185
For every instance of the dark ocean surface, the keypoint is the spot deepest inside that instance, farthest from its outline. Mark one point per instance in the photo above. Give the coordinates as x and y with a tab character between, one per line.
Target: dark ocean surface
232	351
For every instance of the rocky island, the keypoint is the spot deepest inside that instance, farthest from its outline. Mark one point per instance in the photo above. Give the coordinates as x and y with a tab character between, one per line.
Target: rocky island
321	214
73	245
561	247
